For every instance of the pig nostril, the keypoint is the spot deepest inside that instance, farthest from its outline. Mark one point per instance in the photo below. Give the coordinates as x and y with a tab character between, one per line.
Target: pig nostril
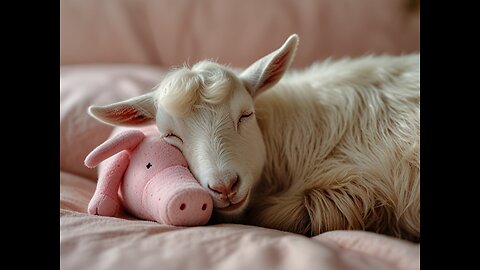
204	206
182	206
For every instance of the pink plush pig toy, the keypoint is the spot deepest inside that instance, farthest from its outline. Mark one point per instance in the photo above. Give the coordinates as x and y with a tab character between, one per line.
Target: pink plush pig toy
149	177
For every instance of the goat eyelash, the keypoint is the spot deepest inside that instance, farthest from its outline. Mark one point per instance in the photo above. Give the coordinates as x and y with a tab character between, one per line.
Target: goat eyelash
168	135
244	116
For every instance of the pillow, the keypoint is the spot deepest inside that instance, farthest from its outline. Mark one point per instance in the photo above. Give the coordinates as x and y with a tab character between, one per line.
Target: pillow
170	33
84	85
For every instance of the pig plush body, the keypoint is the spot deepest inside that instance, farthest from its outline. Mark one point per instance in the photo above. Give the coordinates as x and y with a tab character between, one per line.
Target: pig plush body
149	177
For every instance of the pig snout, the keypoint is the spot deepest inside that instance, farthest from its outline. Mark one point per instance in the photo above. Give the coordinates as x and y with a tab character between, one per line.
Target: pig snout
174	197
192	206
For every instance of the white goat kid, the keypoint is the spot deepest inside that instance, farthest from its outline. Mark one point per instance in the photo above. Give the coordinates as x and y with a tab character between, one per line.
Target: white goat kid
335	146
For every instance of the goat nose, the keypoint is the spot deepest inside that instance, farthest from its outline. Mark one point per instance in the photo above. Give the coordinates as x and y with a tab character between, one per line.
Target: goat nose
225	188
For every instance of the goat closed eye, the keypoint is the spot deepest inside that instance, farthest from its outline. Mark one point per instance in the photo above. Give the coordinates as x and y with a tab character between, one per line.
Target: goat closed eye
244	117
171	137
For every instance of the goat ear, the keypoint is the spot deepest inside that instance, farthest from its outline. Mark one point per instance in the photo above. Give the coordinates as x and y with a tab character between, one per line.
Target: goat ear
131	112
268	70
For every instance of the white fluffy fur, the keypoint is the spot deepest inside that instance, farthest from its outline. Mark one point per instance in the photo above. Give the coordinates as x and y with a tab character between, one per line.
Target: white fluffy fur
334	146
215	143
342	142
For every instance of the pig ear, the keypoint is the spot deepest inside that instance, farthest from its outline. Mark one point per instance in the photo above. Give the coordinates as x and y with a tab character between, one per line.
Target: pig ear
268	70
126	140
131	112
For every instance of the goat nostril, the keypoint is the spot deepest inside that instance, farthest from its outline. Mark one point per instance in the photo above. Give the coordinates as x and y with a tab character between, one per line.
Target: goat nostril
216	189
234	183
204	206
226	187
182	206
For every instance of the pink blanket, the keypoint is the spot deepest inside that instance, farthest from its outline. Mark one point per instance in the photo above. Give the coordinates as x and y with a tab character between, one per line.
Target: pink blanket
95	242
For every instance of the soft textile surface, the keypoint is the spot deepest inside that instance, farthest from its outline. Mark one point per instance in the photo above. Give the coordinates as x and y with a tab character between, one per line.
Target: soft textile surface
167	32
82	86
95	242
124	242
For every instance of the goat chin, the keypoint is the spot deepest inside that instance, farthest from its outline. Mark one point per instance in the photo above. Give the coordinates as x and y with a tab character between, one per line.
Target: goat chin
220	216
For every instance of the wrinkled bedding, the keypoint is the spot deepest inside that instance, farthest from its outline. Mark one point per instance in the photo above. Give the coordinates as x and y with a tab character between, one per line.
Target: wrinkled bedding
124	242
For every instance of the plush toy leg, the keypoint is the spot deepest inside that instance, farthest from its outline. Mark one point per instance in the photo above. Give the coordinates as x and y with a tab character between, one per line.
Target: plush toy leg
105	201
175	197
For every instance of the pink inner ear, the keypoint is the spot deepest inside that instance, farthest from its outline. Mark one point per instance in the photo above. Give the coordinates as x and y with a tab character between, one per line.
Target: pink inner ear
276	68
125	115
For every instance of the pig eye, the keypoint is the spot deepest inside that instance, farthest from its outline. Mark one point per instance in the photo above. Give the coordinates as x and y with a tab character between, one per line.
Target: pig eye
149	165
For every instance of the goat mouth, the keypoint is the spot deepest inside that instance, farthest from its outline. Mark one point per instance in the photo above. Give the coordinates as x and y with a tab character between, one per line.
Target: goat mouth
235	206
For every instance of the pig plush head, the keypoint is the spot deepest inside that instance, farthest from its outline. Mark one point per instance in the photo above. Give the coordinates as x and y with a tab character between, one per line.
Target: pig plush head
151	177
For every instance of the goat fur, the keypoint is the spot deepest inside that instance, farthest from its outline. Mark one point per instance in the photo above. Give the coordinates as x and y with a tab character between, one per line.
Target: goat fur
332	147
342	141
